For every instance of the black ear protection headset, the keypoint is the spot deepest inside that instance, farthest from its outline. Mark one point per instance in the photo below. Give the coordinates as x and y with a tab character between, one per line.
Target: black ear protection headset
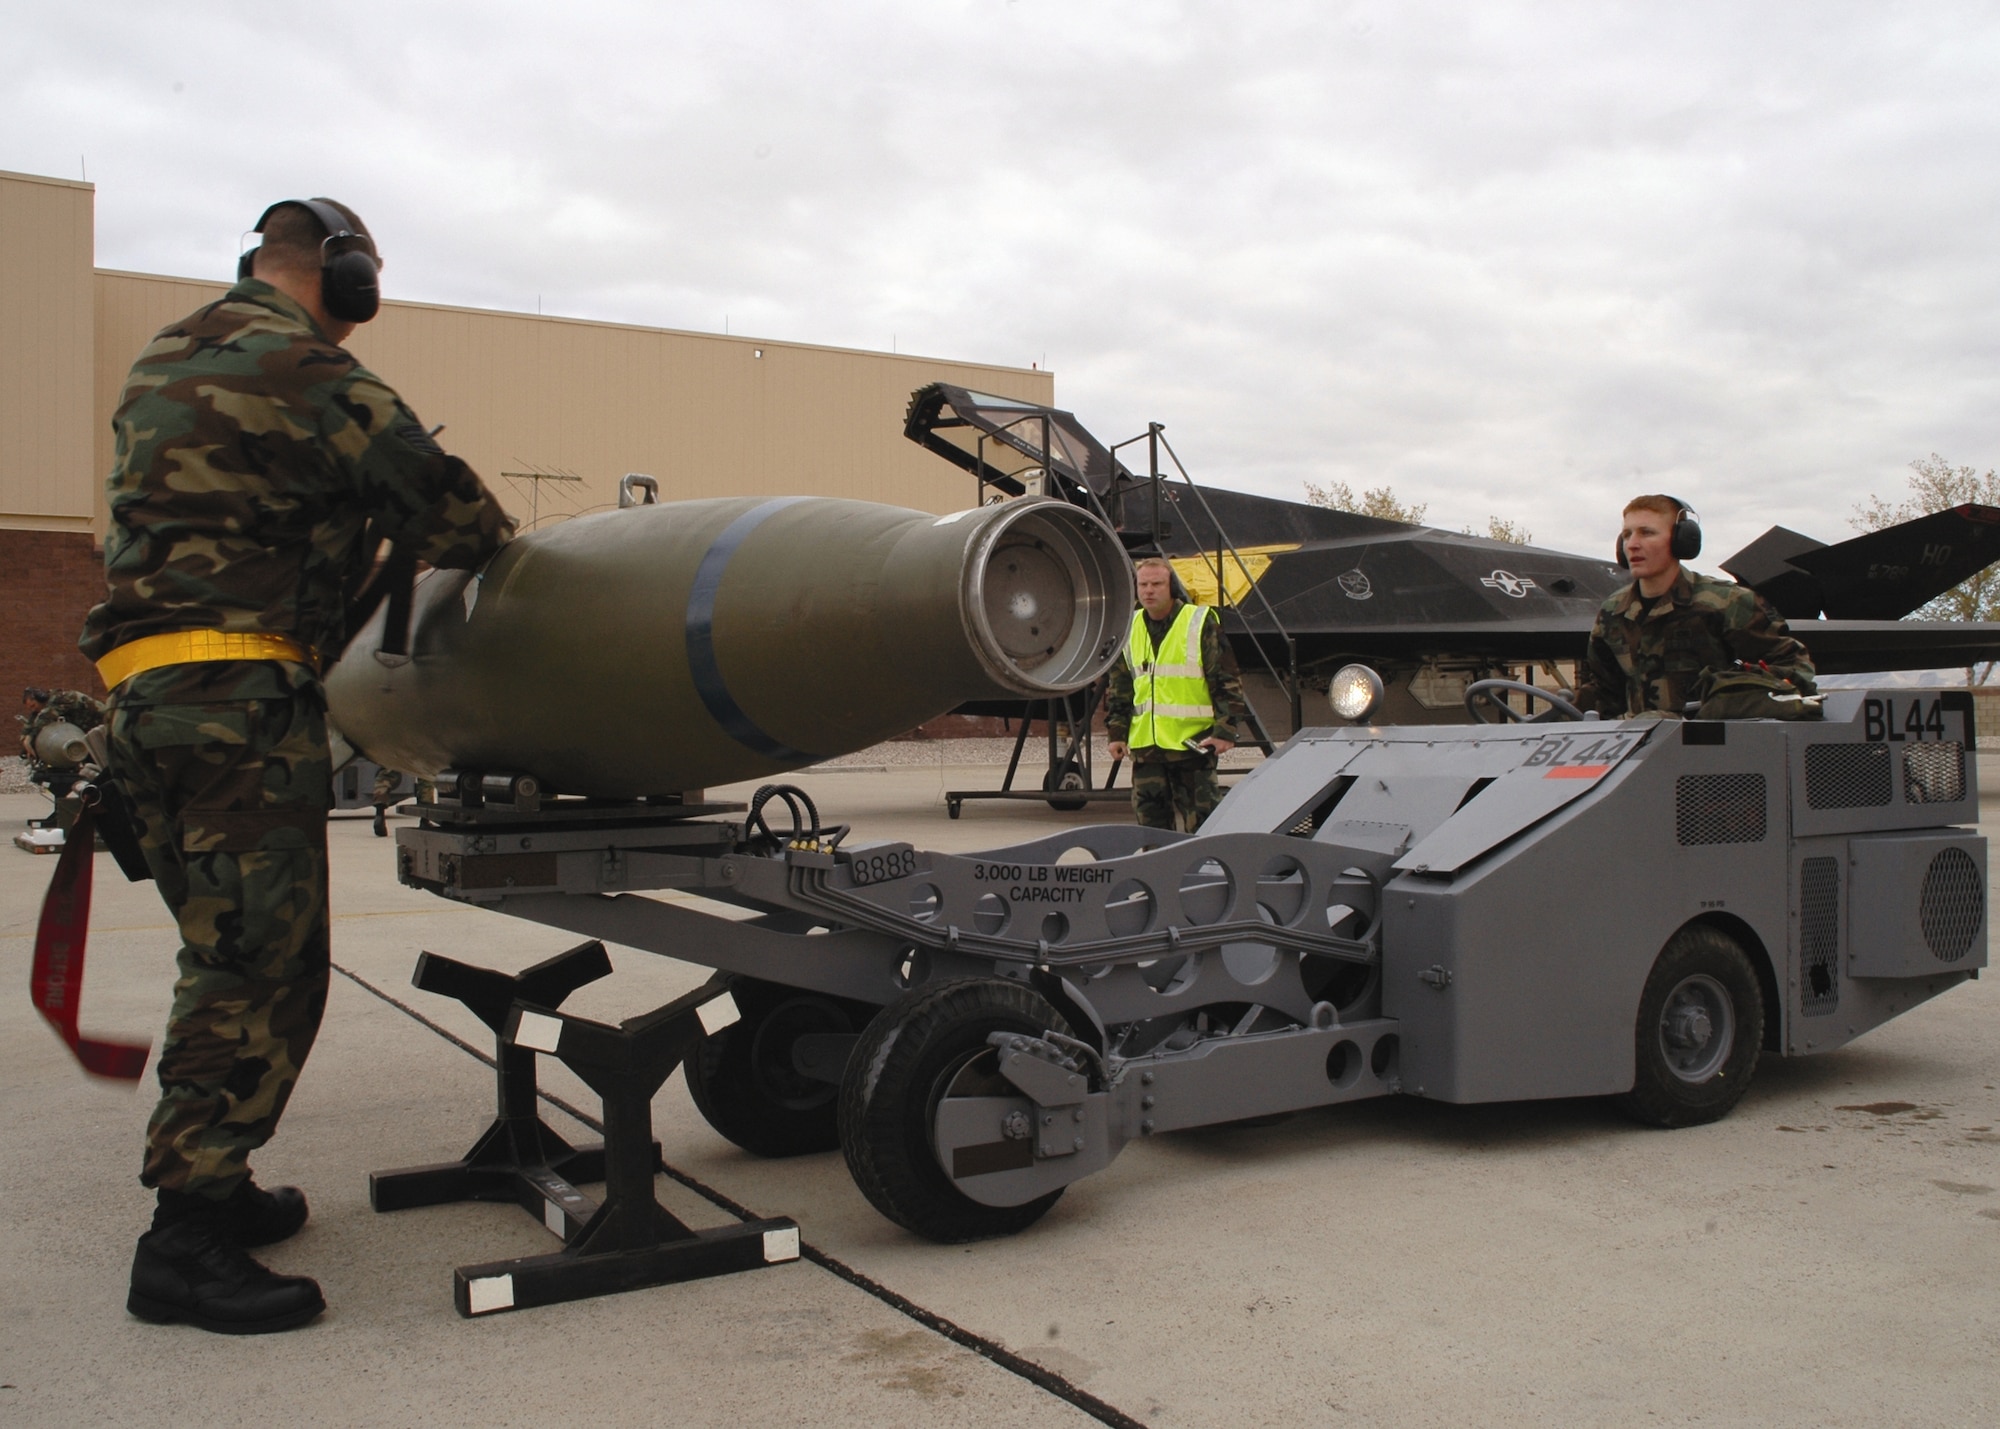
349	272
1685	543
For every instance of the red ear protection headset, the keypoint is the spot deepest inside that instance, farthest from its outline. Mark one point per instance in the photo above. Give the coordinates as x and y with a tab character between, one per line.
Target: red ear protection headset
1685	542
349	271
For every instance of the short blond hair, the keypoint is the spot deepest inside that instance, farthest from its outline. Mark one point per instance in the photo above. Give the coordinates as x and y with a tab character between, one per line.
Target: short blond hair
1656	503
1161	561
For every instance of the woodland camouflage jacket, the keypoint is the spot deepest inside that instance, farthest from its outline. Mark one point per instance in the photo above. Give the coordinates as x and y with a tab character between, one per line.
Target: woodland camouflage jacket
1643	660
251	454
63	707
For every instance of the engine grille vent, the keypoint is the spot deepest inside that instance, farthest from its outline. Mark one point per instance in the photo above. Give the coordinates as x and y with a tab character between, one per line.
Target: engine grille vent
1819	935
1847	776
1933	773
1309	820
1953	906
1719	808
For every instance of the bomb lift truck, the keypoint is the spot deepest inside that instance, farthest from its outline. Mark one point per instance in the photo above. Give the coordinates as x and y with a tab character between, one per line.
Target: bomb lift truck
1637	909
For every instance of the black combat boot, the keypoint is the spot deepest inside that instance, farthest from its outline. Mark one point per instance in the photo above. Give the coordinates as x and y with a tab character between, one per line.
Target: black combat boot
188	1267
260	1217
381	821
250	1215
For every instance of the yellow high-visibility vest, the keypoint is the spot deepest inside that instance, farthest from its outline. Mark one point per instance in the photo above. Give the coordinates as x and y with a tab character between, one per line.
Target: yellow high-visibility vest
1170	703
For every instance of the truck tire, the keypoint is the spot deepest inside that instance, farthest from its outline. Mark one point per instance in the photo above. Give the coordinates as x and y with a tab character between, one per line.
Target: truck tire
1699	1032
900	1071
742	1079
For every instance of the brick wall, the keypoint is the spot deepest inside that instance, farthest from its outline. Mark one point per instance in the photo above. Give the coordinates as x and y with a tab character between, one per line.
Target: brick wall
48	579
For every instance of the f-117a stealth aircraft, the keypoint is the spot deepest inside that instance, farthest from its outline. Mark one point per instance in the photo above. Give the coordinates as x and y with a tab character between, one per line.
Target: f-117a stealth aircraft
1305	589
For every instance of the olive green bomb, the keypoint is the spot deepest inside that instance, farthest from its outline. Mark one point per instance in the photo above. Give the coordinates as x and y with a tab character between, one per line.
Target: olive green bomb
663	648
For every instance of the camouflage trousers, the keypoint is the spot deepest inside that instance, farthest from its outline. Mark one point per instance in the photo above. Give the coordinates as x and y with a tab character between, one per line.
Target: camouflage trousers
227	764
1179	793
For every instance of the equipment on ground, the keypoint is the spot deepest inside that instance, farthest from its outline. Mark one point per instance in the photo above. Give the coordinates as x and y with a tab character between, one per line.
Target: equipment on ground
58	752
1636	909
629	1240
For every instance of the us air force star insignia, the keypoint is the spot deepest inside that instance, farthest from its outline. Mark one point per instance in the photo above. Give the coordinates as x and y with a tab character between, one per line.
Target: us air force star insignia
1356	585
1507	583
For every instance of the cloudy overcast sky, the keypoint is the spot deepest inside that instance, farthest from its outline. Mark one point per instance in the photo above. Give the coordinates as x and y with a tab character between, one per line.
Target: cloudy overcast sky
1518	259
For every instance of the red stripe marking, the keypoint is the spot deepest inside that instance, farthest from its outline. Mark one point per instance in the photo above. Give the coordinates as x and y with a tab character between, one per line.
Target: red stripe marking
1577	771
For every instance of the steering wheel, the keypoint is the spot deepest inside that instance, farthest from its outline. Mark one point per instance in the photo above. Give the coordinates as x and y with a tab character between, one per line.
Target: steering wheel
1482	695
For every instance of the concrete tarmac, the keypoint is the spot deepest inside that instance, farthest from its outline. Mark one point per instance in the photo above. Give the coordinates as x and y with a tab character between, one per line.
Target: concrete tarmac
1826	1256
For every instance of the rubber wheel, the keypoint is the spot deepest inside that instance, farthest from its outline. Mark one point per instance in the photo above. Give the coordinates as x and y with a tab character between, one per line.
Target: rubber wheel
910	1054
1699	1032
1067	777
744	1084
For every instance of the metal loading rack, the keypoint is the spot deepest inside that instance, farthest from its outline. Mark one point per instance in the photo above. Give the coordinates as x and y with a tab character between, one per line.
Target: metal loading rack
629	1240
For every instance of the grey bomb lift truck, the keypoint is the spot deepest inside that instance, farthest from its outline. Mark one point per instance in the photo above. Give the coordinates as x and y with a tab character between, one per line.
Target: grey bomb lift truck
1479	913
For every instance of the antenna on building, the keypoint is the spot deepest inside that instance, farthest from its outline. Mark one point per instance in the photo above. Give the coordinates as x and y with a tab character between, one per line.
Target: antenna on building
535	479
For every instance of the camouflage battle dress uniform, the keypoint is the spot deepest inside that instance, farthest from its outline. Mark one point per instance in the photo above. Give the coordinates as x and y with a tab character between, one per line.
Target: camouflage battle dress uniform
72	707
62	707
251	451
1650	655
1178	784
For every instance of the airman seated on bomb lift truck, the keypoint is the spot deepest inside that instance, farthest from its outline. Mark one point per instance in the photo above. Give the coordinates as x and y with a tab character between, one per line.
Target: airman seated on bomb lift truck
1675	641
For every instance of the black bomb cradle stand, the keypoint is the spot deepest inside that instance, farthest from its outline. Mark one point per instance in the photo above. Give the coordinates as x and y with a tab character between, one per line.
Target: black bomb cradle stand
630	1241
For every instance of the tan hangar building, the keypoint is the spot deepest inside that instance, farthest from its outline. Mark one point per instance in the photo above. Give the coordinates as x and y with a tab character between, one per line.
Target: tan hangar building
552	411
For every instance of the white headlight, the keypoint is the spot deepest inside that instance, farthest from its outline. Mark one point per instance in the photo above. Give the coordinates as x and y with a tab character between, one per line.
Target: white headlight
1355	692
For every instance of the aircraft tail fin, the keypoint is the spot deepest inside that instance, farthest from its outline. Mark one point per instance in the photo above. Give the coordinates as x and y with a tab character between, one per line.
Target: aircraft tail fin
1883	575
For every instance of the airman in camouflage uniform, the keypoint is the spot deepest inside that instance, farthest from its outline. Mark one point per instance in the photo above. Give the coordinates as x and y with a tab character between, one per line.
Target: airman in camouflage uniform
1175	787
61	707
1655	638
72	707
252	454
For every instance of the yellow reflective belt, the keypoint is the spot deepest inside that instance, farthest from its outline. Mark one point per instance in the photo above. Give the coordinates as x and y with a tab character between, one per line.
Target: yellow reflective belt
185	647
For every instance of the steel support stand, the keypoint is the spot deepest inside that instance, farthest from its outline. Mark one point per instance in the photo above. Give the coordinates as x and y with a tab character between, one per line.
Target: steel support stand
513	1158
630	1240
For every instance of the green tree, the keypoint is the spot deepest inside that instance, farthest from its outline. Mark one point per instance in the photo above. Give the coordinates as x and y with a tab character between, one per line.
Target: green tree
1935	484
1381	502
1499	528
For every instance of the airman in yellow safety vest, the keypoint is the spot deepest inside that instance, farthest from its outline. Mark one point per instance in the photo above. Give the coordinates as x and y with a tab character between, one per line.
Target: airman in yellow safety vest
1175	703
